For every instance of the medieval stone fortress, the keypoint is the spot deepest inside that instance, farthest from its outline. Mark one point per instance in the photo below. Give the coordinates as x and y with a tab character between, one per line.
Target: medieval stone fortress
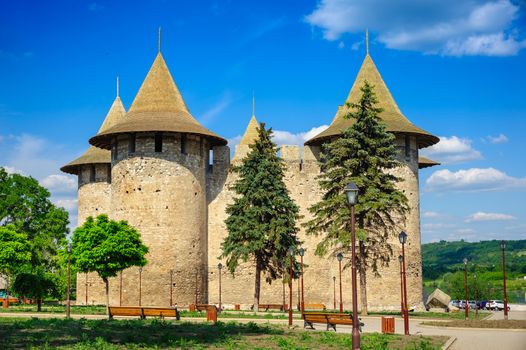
158	168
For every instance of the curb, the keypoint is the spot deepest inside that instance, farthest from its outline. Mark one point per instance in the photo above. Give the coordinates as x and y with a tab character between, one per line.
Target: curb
449	343
475	329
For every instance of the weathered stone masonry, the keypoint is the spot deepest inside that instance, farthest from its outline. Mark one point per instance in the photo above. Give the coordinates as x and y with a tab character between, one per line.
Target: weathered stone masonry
154	170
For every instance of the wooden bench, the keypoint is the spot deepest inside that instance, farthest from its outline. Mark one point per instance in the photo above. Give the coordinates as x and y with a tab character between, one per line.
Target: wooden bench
330	319
267	307
143	312
11	300
313	306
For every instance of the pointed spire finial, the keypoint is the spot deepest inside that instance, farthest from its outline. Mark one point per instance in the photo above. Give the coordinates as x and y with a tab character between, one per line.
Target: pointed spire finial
367	41
117	86
253	104
159	41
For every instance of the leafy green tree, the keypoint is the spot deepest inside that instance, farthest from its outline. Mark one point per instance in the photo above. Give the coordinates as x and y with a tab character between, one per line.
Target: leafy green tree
26	205
36	286
261	221
15	251
107	247
364	154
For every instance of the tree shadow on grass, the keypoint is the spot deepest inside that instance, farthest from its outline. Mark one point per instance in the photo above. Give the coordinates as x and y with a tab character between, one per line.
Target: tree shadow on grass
24	333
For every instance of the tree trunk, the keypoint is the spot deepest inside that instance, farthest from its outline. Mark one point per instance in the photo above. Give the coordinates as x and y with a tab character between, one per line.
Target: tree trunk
257	287
363	280
39	304
107	286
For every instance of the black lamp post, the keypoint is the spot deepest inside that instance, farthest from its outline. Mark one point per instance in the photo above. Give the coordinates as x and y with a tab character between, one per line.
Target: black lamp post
334	289
302	253
466	287
400	260
219	267
291	254
503	247
87	285
476	295
352	196
68	301
403	239
340	258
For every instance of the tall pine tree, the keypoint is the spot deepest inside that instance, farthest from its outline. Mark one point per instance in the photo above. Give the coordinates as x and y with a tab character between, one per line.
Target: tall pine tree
365	154
261	221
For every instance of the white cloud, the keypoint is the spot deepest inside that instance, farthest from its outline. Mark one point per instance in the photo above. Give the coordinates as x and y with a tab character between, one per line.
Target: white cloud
431	214
288	138
474	179
447	27
341	45
217	108
452	150
497	139
481	216
60	183
68	204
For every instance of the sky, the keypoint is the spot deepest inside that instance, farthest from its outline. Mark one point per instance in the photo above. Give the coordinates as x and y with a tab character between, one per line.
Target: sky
456	69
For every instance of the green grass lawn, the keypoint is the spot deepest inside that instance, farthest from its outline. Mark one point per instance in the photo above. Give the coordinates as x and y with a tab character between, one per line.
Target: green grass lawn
57	309
155	334
500	324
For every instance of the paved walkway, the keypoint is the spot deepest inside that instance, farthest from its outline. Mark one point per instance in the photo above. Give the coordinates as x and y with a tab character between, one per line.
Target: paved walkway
467	338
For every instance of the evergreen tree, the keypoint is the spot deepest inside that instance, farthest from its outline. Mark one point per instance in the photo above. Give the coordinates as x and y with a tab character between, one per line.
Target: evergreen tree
261	221
364	154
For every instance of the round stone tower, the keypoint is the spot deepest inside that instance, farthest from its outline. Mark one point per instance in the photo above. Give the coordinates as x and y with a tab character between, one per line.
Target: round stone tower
384	291
93	169
159	161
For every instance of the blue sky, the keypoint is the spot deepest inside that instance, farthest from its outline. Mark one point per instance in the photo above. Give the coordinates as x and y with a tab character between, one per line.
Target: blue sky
455	69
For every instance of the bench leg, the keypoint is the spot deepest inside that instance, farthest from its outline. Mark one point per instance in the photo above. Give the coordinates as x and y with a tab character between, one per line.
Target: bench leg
307	323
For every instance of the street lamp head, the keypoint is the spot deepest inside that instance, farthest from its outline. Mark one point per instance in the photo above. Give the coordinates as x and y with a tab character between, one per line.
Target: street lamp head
402	237
339	257
69	248
503	244
352	193
334	278
475	275
400	258
301	252
291	251
219	266
465	261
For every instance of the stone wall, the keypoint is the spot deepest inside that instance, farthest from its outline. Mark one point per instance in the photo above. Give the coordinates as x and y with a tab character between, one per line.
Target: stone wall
302	169
163	195
178	201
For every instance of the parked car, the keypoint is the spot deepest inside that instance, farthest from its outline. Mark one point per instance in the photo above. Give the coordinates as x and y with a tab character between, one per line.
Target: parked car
472	304
497	305
482	304
462	304
455	303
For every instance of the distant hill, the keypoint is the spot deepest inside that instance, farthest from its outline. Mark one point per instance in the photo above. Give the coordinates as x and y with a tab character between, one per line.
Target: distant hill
442	257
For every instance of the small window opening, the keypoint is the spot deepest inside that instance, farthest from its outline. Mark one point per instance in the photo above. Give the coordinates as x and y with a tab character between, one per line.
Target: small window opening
131	143
114	148
158	142
211	157
109	173
92	174
301	164
407	147
183	144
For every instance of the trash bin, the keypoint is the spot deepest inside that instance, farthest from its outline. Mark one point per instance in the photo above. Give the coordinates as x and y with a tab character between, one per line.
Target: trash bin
388	325
237	307
191	308
211	313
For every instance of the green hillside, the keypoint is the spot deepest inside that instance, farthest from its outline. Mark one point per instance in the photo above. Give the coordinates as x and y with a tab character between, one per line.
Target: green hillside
443	268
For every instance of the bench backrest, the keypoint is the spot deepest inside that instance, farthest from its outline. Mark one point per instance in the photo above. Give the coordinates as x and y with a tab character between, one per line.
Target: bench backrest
159	311
125	311
314	306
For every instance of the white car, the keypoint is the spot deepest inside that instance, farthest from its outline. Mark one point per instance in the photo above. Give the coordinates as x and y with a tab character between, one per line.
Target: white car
496	305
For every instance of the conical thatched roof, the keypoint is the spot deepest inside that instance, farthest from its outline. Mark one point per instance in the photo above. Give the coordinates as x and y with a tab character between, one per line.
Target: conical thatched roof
251	133
424	162
392	116
249	137
158	106
96	155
